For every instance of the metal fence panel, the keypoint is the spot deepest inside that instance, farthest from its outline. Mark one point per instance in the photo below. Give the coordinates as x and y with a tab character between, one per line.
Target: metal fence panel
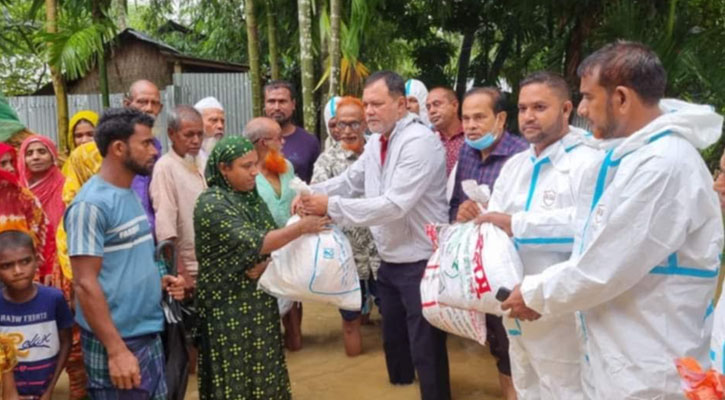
233	91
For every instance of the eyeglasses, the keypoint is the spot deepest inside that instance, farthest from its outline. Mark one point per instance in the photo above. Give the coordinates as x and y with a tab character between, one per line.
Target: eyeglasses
352	125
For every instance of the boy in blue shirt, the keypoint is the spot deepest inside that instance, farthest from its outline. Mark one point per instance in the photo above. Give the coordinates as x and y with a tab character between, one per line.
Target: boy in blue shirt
37	316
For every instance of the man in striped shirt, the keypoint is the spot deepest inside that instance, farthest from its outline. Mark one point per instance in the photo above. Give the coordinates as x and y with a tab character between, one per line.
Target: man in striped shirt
118	286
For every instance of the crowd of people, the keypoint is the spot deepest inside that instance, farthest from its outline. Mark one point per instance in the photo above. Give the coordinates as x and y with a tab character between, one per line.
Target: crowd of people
617	226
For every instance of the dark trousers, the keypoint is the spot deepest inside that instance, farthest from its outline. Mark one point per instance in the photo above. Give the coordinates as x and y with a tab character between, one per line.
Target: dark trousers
410	342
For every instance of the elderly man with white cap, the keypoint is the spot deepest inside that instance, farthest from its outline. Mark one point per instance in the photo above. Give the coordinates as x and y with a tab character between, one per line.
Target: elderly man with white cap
212	115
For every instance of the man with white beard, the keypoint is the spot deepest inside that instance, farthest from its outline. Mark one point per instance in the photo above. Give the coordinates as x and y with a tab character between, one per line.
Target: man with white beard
178	179
212	115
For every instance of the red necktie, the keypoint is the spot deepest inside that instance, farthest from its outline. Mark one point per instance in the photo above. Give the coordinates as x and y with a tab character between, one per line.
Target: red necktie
383	148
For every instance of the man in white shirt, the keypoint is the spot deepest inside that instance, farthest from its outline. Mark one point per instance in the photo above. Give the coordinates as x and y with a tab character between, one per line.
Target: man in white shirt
401	177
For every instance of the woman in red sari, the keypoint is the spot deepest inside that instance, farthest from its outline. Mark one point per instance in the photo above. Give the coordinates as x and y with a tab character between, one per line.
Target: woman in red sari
37	170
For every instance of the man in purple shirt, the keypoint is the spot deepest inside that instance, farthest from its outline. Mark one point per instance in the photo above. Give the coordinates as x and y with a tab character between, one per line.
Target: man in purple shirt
145	96
487	147
487	144
300	147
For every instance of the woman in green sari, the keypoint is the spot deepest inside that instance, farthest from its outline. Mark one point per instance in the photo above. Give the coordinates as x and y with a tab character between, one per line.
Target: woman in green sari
238	333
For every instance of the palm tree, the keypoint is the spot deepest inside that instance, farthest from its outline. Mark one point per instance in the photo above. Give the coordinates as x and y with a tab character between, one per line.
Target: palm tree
307	64
272	39
61	97
83	29
352	72
334	47
253	50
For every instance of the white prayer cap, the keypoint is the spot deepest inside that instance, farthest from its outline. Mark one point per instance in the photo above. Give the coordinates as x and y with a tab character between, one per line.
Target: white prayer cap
208	102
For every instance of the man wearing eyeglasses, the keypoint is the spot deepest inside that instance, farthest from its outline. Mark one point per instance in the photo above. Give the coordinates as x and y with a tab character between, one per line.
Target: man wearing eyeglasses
350	124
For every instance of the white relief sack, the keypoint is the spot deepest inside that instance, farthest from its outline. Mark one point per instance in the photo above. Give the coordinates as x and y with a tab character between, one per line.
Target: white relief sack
464	323
314	267
476	261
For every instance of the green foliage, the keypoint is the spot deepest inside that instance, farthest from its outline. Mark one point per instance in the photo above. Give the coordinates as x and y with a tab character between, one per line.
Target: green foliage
417	38
21	64
75	46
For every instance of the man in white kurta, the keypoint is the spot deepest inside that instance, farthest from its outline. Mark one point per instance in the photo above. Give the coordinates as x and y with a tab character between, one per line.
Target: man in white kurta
177	181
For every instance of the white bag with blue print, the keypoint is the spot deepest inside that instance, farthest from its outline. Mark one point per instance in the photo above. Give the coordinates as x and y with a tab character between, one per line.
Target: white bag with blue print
315	267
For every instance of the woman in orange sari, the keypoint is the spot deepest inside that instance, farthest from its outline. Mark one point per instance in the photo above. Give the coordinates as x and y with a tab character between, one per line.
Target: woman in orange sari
82	164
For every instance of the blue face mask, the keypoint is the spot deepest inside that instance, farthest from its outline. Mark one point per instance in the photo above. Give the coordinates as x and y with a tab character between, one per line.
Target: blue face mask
483	142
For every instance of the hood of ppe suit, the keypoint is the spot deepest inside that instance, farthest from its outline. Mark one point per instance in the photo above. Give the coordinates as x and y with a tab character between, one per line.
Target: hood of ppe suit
330	111
698	124
417	89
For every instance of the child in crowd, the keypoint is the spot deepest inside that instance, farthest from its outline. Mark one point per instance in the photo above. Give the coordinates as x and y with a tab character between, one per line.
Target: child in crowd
37	316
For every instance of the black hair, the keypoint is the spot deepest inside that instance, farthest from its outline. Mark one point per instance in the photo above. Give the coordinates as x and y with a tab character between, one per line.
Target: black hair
394	82
16	239
449	92
119	124
498	97
280	84
553	80
630	64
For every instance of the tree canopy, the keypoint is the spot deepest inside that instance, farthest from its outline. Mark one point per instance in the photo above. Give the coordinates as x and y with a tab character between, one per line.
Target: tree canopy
458	43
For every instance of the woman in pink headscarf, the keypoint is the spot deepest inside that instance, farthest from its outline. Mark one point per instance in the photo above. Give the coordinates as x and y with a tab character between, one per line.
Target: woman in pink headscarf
38	171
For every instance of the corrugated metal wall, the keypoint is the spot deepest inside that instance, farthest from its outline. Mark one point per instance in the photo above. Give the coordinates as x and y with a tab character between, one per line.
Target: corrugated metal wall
233	90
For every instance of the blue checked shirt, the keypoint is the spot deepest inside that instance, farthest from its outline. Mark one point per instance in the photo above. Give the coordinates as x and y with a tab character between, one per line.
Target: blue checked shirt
470	166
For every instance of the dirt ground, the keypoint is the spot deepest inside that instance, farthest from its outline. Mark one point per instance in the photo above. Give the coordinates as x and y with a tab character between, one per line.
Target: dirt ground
321	371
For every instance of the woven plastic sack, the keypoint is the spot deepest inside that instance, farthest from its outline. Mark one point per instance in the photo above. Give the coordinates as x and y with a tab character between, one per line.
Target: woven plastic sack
464	323
315	267
476	260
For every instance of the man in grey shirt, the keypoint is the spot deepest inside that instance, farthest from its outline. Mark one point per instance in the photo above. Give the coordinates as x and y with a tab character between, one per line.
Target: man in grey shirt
396	187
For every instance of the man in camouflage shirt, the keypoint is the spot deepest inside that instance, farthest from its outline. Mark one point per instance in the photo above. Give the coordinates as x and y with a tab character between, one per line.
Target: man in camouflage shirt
351	126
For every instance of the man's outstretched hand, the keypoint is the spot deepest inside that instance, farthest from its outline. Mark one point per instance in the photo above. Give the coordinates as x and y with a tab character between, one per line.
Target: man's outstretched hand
314	204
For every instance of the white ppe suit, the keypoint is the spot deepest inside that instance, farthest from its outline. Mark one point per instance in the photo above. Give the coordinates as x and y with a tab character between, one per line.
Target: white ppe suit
417	89
645	264
540	192
329	113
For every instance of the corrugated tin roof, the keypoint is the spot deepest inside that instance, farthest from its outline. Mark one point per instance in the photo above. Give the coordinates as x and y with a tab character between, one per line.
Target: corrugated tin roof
142	36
